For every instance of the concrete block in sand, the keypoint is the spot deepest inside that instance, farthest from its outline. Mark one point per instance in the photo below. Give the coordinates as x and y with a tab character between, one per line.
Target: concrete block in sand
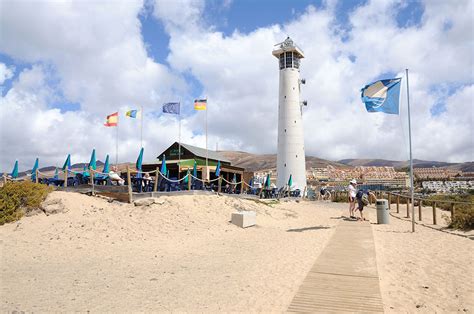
244	219
148	201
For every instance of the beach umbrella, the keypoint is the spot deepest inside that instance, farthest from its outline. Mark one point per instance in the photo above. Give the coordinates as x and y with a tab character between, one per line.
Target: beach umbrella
195	170
218	168
186	179
139	162
92	162
85	173
267	181
14	173
163	169
106	165
56	176
33	171
67	163
290	181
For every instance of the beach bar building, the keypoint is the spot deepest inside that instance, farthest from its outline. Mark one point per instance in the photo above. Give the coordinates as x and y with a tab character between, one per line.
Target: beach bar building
179	164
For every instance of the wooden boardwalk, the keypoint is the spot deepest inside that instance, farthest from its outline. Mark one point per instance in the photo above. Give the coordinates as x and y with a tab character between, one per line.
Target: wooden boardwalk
344	278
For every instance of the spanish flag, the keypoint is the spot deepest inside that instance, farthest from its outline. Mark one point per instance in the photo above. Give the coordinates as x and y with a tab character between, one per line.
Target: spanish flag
200	104
112	120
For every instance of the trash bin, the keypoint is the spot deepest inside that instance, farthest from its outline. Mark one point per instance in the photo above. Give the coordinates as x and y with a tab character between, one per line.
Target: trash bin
383	214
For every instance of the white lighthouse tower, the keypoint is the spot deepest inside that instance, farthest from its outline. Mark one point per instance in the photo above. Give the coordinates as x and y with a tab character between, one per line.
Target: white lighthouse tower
291	153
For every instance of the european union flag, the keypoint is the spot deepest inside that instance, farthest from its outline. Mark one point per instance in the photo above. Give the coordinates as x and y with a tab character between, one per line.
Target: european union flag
382	96
171	107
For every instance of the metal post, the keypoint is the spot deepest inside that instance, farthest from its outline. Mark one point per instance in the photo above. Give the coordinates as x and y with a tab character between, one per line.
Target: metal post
434	213
389	196
412	187
179	141
141	126
207	153
116	143
398	204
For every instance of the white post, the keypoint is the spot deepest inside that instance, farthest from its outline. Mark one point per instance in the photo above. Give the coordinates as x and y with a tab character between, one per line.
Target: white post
116	143
179	141
412	187
207	154
141	126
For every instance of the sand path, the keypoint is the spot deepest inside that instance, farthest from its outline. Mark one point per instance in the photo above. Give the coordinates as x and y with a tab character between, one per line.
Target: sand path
182	255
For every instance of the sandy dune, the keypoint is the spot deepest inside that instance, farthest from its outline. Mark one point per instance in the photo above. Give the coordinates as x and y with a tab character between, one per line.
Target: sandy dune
184	255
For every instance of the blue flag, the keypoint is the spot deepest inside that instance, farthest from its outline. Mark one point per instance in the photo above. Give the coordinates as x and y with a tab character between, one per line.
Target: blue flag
171	107
382	96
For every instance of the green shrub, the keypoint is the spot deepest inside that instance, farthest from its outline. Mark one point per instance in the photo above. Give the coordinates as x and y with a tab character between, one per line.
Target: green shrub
18	197
463	219
339	197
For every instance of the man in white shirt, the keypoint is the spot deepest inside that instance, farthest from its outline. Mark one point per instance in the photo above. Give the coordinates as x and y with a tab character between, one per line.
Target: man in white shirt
352	191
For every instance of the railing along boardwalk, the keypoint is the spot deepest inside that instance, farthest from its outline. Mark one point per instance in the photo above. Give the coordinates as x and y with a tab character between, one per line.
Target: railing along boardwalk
397	199
344	278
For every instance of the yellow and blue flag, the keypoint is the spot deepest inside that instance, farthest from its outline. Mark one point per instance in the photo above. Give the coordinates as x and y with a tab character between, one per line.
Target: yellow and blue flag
132	113
382	96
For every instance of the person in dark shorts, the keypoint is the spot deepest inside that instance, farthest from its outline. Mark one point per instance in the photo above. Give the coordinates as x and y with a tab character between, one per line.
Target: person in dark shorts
362	198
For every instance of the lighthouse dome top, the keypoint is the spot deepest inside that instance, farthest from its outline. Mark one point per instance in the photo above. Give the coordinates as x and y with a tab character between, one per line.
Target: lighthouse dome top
286	46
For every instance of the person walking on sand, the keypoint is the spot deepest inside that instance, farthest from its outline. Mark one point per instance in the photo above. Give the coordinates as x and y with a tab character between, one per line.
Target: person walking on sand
352	191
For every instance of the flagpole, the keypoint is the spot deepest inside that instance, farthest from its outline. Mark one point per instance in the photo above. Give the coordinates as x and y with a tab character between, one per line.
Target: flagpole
179	141
207	153
411	161
116	144
141	127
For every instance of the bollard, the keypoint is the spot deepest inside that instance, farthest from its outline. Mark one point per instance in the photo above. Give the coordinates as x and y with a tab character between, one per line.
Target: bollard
389	196
434	213
398	204
419	209
129	182
408	207
157	174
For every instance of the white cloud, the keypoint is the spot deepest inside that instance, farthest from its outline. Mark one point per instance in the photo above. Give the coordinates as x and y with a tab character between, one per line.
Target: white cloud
240	76
6	72
93	54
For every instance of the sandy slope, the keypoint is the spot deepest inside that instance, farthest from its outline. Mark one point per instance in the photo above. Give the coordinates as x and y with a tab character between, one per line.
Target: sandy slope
182	255
428	271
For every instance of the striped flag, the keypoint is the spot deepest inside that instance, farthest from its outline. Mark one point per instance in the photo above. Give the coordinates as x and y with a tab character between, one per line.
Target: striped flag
200	104
112	120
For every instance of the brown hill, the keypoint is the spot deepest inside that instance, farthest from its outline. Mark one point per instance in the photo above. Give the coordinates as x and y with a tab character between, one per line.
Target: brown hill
255	162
